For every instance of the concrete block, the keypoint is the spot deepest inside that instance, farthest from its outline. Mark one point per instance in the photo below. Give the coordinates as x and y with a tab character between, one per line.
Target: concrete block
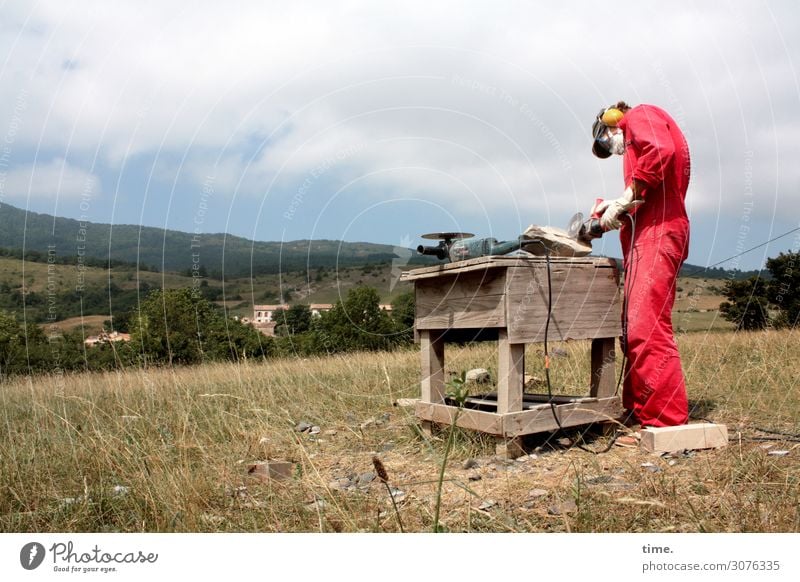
266	470
669	439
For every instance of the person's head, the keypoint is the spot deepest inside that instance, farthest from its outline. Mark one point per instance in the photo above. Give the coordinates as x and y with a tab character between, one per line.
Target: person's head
608	137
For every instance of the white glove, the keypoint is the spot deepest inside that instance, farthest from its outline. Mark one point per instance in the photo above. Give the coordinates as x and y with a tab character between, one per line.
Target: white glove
611	209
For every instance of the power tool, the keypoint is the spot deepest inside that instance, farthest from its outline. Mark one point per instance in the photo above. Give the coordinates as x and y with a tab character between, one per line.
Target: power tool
452	246
588	230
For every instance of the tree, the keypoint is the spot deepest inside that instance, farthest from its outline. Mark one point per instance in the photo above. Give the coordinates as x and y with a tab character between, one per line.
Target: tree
783	289
24	348
172	325
358	323
12	338
403	309
747	303
180	326
295	320
233	340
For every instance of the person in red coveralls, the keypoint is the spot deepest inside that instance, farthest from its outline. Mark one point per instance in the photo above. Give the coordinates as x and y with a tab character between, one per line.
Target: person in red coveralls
654	232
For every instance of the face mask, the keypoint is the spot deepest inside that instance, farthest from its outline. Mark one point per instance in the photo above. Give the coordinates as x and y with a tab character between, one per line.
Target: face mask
617	143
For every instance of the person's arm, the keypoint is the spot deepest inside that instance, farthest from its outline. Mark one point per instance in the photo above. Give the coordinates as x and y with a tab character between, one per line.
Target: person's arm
637	187
612	209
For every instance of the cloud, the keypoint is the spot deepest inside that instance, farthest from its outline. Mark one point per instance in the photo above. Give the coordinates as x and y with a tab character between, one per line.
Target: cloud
56	179
485	104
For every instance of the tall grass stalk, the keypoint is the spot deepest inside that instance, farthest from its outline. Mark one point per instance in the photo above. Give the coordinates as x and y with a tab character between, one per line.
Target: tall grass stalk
458	392
383	476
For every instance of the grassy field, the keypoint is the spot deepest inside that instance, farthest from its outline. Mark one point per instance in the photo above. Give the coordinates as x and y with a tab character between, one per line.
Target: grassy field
697	306
168	449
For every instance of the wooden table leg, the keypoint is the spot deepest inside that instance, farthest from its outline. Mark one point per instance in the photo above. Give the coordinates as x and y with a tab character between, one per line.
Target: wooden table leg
604	377
510	384
432	364
508	447
510	376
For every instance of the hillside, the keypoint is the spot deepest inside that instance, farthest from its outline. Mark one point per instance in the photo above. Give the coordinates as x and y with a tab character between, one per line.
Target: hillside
296	271
38	287
172	250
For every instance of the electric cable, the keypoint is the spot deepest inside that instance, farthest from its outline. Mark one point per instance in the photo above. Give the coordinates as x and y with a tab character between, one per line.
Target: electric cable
700	270
777	432
551	401
788	436
625	280
626	283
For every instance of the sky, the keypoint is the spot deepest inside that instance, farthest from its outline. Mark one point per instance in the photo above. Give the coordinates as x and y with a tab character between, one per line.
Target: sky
381	121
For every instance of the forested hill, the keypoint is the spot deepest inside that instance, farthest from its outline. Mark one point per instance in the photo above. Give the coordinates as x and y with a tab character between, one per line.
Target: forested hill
171	250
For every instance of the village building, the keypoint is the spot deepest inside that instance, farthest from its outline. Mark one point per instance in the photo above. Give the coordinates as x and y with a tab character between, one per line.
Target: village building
267	317
106	337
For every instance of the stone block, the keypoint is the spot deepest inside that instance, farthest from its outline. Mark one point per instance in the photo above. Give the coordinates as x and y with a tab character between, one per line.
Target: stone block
670	439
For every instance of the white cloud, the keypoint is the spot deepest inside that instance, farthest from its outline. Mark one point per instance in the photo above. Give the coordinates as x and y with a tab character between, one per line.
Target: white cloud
493	99
56	179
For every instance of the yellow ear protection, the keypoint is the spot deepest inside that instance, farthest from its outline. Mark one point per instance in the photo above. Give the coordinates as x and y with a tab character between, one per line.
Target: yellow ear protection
611	117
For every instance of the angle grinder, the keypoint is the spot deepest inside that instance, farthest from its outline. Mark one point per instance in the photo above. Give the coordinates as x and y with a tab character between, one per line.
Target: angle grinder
586	231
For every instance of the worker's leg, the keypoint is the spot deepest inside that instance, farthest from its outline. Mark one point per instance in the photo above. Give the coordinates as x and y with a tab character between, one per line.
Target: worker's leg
654	389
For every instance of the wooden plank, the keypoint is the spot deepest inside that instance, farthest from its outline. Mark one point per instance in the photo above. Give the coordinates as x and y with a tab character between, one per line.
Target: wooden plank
445	268
586	303
432	366
461	301
533	421
522	423
669	439
566	279
511	369
557	398
529	397
461	285
603	373
501	261
491	399
487	422
491	405
562	328
463	313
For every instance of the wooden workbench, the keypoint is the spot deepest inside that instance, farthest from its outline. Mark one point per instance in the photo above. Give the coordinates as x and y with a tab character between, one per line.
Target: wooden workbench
506	299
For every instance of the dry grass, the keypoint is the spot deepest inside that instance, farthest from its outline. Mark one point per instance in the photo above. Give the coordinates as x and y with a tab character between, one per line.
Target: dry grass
179	441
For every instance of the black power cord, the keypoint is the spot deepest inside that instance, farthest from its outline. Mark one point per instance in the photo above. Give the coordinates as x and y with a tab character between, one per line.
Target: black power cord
787	436
551	401
626	282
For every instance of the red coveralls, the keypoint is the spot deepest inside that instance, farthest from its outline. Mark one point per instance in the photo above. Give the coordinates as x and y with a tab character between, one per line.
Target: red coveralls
657	155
